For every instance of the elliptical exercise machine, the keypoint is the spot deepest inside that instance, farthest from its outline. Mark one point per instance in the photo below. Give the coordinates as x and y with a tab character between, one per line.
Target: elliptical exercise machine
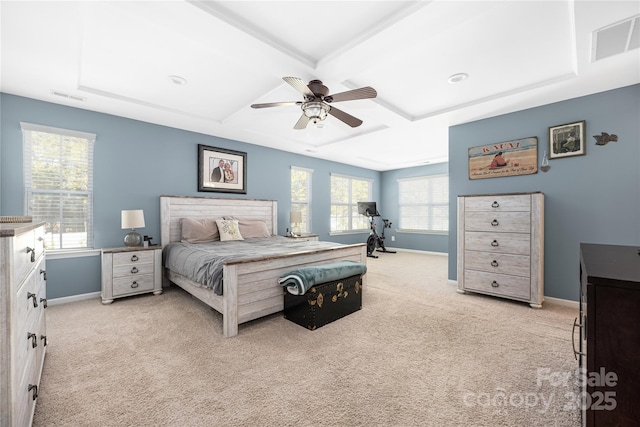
374	241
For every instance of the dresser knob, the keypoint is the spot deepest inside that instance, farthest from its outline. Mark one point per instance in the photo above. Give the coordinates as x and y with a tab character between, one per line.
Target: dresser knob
494	223
134	270
495	204
494	284
33	253
44	274
34	339
135	285
44	338
43	301
494	263
494	243
35	390
30	295
134	258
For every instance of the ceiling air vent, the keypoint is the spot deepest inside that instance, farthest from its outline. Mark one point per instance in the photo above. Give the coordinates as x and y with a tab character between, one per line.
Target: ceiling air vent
616	38
68	96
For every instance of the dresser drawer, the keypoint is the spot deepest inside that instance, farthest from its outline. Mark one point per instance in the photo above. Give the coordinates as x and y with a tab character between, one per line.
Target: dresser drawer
25	397
511	243
132	285
499	202
132	258
500	222
497	284
29	293
22	255
517	265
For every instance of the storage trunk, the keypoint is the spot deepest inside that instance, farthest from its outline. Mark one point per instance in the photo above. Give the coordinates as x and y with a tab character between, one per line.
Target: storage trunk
324	303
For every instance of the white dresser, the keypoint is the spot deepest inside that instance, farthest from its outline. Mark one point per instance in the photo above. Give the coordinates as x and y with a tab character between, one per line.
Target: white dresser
23	340
501	246
131	271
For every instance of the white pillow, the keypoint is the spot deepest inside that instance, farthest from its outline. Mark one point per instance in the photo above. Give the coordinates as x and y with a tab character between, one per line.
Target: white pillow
229	229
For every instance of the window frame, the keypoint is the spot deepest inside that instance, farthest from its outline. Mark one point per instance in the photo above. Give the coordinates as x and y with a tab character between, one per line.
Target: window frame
352	206
428	204
307	213
28	130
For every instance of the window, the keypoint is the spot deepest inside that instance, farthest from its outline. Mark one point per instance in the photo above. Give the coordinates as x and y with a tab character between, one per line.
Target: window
301	196
424	203
346	192
58	184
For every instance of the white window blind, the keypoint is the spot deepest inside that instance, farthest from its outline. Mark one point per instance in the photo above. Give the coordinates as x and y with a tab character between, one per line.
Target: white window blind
58	184
424	203
301	195
346	192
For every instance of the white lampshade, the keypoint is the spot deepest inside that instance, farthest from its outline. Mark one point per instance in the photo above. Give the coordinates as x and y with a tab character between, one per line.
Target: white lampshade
133	219
295	217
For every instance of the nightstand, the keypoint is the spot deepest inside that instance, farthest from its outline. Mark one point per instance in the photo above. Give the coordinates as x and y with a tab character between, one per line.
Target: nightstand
131	271
305	237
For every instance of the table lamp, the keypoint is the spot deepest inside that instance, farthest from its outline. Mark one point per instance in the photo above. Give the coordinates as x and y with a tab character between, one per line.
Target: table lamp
295	217
133	219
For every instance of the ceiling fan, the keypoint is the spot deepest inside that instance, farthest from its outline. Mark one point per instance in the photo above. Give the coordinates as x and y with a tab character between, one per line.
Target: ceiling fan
315	106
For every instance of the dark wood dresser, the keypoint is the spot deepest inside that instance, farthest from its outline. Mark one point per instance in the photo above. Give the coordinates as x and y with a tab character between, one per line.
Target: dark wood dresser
609	351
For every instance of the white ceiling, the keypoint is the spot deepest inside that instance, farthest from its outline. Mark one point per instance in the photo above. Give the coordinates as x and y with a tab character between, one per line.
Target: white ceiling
116	57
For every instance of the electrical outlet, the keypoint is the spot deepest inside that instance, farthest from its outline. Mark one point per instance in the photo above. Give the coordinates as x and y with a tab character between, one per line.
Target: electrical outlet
393	238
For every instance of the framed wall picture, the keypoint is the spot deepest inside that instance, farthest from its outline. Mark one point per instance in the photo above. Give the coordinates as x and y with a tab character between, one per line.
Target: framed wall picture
509	158
567	140
222	170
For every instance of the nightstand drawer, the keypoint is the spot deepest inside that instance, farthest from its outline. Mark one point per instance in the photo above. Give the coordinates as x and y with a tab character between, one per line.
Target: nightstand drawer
133	269
137	257
131	285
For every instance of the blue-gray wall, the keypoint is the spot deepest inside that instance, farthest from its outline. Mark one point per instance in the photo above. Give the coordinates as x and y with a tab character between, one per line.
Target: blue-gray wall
389	209
135	163
593	198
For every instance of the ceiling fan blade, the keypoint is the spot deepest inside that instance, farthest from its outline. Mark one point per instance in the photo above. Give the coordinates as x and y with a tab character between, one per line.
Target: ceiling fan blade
300	86
276	104
302	122
345	117
350	95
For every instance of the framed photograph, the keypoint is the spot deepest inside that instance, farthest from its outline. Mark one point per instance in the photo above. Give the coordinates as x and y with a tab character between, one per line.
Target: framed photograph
509	158
222	170
567	140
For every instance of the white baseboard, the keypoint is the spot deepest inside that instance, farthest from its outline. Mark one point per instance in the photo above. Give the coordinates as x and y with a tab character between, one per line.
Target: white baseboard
563	302
73	298
419	251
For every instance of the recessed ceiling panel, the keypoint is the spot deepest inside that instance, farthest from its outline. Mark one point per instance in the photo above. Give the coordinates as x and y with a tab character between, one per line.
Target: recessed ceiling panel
128	57
309	29
504	49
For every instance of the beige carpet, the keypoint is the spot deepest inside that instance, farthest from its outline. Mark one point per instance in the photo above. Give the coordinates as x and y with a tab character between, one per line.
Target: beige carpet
417	354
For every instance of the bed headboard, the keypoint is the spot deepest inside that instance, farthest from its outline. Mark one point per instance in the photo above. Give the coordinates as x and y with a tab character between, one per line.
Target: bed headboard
172	208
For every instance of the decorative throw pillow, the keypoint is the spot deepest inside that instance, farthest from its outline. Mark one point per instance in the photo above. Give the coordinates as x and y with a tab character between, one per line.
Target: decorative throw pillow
253	228
199	230
229	229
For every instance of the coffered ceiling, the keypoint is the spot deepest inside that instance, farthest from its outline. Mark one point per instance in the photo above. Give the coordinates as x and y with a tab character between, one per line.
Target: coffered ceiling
199	65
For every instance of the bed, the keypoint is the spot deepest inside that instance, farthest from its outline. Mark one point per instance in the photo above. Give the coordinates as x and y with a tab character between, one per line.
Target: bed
250	287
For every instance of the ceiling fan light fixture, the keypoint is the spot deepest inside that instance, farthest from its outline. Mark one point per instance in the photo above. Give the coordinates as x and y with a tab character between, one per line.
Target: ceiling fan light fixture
315	110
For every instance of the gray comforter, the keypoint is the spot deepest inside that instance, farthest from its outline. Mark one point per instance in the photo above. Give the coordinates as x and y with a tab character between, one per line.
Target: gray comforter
202	262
